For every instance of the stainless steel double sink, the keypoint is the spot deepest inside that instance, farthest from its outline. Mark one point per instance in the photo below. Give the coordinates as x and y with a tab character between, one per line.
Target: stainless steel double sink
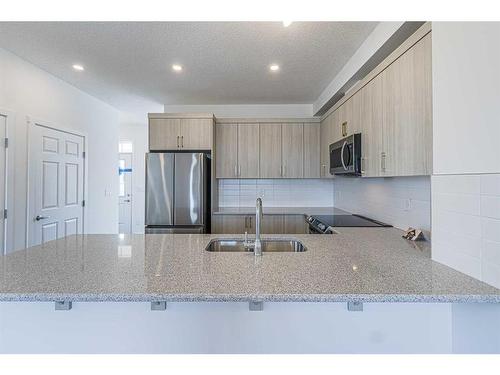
268	245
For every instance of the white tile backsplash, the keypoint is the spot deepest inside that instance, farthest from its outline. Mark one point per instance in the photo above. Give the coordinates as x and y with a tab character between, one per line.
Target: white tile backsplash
401	201
276	192
466	224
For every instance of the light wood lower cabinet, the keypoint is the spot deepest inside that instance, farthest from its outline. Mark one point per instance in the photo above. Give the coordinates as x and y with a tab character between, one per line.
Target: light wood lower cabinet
295	224
271	224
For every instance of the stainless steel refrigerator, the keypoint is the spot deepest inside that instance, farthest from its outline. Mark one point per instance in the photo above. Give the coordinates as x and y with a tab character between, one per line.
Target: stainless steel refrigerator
178	192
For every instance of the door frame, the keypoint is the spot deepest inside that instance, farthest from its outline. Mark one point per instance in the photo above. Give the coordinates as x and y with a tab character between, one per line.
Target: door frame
31	123
8	198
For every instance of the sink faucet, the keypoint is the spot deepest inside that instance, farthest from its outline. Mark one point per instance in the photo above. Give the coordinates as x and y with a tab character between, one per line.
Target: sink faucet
258	217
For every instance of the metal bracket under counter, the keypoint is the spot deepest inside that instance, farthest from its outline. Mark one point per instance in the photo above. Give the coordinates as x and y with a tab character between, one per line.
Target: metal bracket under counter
158	306
63	305
355	306
256	305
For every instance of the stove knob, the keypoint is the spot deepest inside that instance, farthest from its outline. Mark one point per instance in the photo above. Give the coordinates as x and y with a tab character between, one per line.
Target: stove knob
310	219
321	226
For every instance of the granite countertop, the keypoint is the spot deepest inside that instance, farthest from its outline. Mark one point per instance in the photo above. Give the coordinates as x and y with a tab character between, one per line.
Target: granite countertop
280	211
358	264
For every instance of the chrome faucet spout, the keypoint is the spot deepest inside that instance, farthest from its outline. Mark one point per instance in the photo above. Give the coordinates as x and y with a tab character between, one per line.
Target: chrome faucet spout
258	219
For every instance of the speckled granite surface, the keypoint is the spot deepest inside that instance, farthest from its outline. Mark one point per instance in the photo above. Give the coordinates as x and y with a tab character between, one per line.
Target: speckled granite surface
362	264
281	211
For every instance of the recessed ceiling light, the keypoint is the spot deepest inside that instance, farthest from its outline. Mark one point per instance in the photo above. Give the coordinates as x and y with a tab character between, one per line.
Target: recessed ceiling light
287	23
78	67
274	67
176	67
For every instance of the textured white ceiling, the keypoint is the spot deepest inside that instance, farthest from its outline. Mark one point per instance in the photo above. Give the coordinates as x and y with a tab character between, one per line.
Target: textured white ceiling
128	64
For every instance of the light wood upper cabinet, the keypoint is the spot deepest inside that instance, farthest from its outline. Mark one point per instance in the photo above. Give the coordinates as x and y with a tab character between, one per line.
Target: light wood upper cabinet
169	133
248	150
270	150
407	113
226	150
327	136
164	134
312	150
292	136
371	127
196	134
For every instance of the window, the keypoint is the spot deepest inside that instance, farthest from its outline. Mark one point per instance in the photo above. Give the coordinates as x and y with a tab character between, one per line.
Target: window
125	146
121	175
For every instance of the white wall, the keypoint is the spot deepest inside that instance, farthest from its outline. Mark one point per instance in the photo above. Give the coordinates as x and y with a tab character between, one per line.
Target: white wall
276	192
466	123
229	327
466	224
466	97
400	201
26	90
246	110
136	131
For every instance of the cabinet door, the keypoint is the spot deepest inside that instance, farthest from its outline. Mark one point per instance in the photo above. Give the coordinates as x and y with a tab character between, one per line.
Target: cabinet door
371	129
295	224
407	112
229	224
270	150
327	134
292	136
272	224
312	150
196	134
226	150
164	134
248	150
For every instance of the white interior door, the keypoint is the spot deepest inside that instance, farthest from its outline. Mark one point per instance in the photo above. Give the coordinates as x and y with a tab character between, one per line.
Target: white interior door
56	184
125	193
3	133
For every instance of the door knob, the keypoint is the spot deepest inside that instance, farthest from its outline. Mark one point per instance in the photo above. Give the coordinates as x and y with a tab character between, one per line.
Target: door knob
38	217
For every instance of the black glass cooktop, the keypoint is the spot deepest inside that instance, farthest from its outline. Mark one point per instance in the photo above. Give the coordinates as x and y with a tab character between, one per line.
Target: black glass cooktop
349	221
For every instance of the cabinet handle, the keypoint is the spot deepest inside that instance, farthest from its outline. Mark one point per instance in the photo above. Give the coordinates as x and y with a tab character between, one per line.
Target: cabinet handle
239	170
182	141
284	171
344	129
235	170
250	220
246	222
178	142
382	161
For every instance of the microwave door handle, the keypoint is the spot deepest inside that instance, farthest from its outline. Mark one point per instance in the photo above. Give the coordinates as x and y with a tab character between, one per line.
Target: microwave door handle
342	155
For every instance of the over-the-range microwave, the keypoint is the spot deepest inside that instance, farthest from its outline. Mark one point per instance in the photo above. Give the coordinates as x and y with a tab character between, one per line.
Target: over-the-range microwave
345	156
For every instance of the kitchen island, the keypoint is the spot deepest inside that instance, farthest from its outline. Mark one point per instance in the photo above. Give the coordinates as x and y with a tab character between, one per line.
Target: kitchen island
410	303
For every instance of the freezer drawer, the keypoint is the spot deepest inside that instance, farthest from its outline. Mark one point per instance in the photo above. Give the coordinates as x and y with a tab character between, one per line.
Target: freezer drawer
174	230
